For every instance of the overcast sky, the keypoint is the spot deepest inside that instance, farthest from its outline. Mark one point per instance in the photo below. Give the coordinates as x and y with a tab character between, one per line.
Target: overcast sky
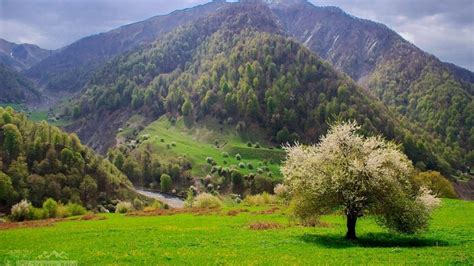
444	28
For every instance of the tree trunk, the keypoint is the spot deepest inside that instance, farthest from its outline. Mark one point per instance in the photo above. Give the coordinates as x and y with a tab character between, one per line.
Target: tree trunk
351	225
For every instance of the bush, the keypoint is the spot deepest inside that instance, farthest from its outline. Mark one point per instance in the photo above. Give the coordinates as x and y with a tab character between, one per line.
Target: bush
260	199
62	211
225	154
165	183
435	182
225	162
162	140
50	206
257	145
249	144
262	184
76	209
238	157
137	204
123	207
209	160
38	214
242	165
281	191
173	144
250	166
236	178
206	200
21	211
259	171
155	205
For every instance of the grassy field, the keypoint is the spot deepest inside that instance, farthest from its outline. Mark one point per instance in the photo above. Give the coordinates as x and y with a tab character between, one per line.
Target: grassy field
37	114
223	239
198	143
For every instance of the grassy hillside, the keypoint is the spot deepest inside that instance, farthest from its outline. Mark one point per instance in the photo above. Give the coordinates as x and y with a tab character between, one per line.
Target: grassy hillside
211	140
219	238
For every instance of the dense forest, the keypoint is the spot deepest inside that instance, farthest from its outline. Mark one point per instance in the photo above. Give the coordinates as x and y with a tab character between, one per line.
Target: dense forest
432	95
14	87
39	161
420	88
237	68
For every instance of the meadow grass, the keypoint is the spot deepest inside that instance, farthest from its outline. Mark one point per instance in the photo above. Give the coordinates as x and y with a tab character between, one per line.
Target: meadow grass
224	239
198	143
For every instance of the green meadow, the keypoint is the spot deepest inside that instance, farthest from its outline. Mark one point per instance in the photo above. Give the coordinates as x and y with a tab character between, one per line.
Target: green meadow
173	140
221	238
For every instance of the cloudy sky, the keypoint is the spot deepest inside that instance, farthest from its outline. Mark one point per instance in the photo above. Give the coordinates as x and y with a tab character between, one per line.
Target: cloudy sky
444	28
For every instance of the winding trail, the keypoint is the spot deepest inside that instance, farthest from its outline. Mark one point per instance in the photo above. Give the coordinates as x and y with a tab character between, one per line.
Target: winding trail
173	202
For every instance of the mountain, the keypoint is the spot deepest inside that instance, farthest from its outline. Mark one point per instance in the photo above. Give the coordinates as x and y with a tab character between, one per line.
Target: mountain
239	68
21	56
14	87
38	161
71	67
433	95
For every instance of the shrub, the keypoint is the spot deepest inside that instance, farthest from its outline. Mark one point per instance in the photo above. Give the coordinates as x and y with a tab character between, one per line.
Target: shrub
165	183
50	206
281	191
262	184
76	209
259	199
236	177
173	144
209	160
242	165
225	162
225	154
259	171
435	182
156	205
62	211
257	145
123	207
162	140
21	211
249	144
38	214
137	204
238	157
206	200
250	166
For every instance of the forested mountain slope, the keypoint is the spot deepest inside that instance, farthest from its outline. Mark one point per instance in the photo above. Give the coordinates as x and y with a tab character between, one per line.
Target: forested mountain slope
14	87
71	67
432	95
38	161
21	56
239	68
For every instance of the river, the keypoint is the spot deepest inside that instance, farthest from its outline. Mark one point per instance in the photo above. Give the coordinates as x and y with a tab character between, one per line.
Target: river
172	201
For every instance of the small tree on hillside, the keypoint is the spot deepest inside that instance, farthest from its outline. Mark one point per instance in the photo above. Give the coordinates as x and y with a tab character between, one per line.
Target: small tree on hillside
165	183
359	174
12	140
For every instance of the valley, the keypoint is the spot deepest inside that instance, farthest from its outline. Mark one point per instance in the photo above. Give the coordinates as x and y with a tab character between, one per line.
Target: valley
245	132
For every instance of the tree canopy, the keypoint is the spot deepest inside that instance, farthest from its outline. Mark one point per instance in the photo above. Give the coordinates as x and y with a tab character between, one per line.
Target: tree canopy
358	174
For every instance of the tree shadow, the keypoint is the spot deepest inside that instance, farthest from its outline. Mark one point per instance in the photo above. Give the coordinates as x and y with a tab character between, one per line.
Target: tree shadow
372	240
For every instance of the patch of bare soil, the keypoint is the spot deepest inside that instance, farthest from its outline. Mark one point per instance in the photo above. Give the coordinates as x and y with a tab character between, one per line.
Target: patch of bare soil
264	226
29	224
269	211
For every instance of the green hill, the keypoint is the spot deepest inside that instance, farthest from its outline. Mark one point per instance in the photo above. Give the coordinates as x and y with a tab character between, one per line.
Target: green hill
38	161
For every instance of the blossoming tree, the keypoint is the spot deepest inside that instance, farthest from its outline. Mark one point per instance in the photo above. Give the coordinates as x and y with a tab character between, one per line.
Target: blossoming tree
358	174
